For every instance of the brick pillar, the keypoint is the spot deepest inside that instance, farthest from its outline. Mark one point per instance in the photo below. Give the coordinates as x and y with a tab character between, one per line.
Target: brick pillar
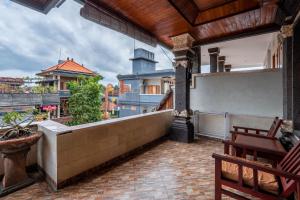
182	129
221	63
286	37
296	77
214	54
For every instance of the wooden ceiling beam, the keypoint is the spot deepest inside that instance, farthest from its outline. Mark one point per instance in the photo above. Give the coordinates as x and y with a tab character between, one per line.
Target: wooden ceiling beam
39	6
188	9
242	34
288	9
104	16
229	9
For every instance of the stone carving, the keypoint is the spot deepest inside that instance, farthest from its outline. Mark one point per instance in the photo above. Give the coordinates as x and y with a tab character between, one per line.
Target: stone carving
183	113
183	63
287	126
183	41
280	38
286	31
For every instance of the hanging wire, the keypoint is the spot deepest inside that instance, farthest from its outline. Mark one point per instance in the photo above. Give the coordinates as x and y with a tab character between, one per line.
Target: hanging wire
166	54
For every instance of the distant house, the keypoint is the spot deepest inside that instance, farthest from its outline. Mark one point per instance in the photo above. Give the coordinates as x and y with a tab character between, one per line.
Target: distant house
145	88
59	75
15	97
9	85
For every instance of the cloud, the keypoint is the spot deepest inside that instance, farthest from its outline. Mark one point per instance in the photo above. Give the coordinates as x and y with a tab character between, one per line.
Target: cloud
31	41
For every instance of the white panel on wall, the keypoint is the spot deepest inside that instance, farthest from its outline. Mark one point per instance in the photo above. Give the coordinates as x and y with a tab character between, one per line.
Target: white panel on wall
212	125
253	93
219	125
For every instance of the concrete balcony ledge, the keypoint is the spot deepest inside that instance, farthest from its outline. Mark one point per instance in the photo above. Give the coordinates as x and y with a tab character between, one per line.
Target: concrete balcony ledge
64	93
28	99
65	153
137	98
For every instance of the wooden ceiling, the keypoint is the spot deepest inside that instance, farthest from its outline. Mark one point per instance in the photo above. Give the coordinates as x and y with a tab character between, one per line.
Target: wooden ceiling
205	20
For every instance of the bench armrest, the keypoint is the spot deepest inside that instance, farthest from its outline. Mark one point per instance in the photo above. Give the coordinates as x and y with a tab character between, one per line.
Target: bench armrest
235	133
255	166
245	129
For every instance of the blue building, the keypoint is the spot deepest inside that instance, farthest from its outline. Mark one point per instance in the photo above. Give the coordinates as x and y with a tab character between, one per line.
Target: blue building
142	91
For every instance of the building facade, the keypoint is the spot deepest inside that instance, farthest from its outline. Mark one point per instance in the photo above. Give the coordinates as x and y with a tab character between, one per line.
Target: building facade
58	76
144	89
16	97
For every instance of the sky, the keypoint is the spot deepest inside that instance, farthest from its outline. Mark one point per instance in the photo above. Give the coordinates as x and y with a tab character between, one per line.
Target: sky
31	41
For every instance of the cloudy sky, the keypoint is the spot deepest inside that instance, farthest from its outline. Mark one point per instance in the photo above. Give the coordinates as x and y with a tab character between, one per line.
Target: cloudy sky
31	41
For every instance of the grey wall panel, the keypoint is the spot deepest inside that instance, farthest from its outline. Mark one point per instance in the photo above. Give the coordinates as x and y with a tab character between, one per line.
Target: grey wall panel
253	93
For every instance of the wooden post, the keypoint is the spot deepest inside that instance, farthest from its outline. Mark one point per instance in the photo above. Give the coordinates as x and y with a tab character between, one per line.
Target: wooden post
182	129
214	54
218	176
296	77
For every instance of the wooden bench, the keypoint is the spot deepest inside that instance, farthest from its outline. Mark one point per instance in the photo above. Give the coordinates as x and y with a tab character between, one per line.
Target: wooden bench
271	133
258	179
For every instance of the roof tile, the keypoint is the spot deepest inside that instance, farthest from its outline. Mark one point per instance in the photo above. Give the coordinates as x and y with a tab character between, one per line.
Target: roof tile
69	65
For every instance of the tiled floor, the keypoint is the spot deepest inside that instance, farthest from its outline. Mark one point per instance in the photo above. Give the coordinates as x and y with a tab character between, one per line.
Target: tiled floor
170	171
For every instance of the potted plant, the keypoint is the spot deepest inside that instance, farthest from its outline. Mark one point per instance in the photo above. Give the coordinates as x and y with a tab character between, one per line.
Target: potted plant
15	142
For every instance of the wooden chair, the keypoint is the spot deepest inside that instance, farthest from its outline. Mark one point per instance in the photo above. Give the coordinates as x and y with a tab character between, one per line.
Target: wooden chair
271	133
258	179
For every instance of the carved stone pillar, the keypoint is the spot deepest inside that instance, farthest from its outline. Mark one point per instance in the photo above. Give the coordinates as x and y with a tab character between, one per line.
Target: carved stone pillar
286	37
221	63
214	54
182	129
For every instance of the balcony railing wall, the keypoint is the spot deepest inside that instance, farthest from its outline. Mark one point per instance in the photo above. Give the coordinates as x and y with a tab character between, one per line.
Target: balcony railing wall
64	93
30	99
71	151
141	98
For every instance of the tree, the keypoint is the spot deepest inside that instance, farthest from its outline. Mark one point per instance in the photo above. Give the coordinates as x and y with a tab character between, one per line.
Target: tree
84	102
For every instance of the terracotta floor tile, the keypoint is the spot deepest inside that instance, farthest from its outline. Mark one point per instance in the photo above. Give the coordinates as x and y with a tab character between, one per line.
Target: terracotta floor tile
169	171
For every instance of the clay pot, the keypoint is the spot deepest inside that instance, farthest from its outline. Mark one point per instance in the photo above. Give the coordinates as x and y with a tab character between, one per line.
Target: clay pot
14	152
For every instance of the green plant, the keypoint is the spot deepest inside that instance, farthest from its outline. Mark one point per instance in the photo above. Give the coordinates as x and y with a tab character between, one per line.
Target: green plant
84	102
18	124
43	89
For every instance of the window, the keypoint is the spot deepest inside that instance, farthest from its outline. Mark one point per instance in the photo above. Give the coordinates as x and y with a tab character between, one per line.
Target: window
124	87
153	89
133	108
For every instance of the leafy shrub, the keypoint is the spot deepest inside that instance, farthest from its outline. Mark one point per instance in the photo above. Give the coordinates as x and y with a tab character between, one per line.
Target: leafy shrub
84	103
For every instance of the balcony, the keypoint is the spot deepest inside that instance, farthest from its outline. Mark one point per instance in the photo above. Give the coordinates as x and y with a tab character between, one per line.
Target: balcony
163	170
30	99
64	93
151	98
136	98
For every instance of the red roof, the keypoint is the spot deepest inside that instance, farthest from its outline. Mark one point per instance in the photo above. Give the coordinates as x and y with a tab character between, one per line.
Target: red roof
11	80
70	66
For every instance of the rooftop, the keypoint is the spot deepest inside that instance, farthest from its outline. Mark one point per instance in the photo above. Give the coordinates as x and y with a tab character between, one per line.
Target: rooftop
9	80
68	65
156	73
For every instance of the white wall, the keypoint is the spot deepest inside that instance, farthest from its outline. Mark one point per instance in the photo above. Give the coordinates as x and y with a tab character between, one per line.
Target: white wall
251	93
